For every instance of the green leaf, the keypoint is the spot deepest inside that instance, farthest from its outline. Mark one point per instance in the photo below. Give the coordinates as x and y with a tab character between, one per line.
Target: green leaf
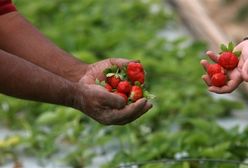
223	47
148	95
237	53
115	68
103	83
46	118
230	46
97	81
186	165
106	71
137	83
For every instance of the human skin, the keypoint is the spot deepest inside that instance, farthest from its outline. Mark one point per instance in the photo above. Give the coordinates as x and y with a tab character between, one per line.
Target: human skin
47	73
22	79
236	76
21	38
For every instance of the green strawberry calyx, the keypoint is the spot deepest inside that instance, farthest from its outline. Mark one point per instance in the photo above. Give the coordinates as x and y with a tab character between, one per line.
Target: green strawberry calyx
148	95
101	83
229	48
115	71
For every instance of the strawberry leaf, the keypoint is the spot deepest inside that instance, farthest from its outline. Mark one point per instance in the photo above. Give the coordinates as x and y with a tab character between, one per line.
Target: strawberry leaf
110	74
148	95
98	82
106	71
115	69
230	46
137	83
237	53
123	75
112	69
103	83
223	47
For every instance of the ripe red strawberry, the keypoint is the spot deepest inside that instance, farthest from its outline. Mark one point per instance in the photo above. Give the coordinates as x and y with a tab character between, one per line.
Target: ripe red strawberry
135	72
213	69
124	87
218	79
228	60
136	93
108	87
122	95
113	81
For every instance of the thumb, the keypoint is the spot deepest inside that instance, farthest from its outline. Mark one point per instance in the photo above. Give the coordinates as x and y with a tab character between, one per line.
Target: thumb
107	98
244	72
120	61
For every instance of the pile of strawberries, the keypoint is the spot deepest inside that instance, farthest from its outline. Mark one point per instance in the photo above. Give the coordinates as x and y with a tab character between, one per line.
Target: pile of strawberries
228	60
126	81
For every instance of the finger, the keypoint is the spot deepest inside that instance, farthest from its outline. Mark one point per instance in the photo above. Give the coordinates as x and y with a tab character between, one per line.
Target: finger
146	108
231	86
212	56
240	46
132	118
105	98
131	111
118	61
205	64
121	61
206	79
244	71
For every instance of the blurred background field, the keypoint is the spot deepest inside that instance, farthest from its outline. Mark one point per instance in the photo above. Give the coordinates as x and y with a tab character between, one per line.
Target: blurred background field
186	120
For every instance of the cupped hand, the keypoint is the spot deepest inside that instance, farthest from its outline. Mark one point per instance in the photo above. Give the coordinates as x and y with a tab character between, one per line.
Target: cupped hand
234	77
105	107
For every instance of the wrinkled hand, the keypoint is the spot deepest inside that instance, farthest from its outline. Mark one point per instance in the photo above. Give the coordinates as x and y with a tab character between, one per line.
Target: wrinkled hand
105	107
235	76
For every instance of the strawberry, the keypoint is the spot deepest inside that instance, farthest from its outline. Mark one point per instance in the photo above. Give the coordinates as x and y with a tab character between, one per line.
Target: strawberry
228	59
122	95
124	87
135	72
136	93
113	81
218	79
108	87
214	68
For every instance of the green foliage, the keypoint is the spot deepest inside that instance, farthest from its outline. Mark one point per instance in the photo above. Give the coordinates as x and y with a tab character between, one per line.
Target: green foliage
184	115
